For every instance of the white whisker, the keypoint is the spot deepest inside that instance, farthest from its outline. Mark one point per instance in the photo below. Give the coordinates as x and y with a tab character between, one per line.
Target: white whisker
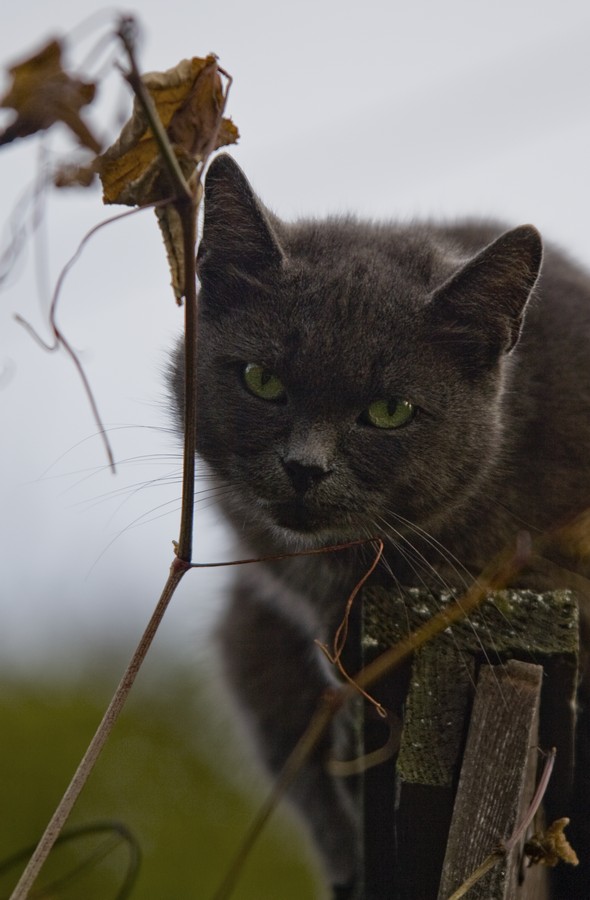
418	558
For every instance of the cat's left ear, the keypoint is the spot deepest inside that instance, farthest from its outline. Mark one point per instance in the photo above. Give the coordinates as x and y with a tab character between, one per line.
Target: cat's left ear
238	237
484	302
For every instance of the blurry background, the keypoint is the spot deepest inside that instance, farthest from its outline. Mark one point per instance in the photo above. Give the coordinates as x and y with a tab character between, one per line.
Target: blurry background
385	109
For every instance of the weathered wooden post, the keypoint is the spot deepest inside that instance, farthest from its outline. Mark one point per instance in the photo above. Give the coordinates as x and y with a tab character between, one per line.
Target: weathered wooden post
468	752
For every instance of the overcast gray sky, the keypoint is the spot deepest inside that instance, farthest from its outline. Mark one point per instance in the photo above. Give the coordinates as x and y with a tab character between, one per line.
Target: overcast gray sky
391	110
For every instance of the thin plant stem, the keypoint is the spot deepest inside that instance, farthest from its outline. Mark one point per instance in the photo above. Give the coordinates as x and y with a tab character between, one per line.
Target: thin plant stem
60	339
535	802
119	835
187	207
275	557
487	865
102	733
507	846
126	33
187	210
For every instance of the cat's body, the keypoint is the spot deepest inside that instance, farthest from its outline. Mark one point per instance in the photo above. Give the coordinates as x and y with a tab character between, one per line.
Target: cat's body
360	380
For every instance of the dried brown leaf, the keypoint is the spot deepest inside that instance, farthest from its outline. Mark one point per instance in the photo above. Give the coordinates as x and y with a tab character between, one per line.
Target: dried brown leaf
172	234
75	175
42	93
551	846
189	100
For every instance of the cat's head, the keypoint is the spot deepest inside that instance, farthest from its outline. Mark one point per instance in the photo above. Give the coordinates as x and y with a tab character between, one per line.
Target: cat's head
350	375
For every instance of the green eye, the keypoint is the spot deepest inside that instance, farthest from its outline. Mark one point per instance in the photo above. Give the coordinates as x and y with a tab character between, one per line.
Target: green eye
389	413
262	383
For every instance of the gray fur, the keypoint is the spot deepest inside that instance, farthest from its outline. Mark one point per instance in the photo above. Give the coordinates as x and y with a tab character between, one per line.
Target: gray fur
451	317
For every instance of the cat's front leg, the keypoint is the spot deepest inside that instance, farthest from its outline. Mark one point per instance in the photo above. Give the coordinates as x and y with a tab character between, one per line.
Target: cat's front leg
276	677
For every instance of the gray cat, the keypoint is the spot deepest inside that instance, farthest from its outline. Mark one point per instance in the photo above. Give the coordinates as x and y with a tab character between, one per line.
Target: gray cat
423	383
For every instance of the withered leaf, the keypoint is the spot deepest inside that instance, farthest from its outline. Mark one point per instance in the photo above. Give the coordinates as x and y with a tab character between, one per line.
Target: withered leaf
550	846
188	99
171	229
195	125
75	174
42	93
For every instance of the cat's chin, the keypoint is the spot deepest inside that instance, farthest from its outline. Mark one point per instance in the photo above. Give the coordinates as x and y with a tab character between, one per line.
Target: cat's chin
301	528
298	518
308	520
300	541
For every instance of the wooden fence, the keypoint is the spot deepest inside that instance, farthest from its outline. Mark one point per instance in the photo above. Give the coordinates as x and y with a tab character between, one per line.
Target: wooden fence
468	715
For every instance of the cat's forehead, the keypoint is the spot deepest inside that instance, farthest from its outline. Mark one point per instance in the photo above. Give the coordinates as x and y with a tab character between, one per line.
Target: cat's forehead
359	252
347	332
346	313
342	286
337	287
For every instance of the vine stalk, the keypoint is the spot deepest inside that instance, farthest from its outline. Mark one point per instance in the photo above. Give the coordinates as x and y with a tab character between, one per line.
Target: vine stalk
187	206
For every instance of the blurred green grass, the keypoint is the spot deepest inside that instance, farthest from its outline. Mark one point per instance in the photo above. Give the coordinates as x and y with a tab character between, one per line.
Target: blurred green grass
163	774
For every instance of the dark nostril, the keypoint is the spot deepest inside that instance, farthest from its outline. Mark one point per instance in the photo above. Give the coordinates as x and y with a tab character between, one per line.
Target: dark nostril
303	475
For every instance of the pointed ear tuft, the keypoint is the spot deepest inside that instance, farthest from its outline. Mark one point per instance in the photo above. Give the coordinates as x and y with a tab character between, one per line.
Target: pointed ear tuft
485	300
238	238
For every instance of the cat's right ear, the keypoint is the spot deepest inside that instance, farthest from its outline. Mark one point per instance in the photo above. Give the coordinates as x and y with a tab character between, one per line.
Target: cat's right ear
238	239
483	304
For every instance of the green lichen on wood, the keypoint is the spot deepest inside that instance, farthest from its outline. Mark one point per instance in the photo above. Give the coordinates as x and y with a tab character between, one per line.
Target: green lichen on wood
534	627
507	623
435	717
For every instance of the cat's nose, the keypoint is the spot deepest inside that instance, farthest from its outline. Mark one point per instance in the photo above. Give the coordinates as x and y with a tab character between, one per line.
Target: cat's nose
304	475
